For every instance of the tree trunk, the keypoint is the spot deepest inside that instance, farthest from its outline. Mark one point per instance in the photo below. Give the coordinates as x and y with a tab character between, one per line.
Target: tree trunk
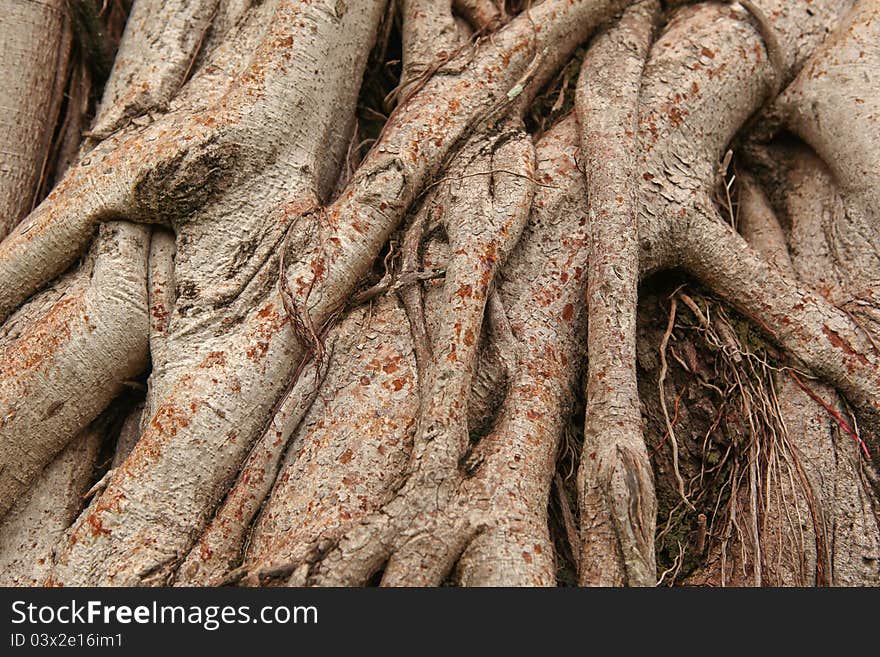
416	293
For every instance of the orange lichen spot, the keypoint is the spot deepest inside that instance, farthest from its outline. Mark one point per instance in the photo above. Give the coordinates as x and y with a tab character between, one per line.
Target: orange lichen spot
835	339
318	267
676	116
214	358
257	351
169	419
97	526
159	313
568	312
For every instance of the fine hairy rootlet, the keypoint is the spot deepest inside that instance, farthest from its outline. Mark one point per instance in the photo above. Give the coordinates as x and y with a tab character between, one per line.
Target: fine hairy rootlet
423	292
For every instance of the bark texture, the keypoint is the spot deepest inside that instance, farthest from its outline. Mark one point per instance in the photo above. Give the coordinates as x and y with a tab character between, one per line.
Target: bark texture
616	485
35	41
460	292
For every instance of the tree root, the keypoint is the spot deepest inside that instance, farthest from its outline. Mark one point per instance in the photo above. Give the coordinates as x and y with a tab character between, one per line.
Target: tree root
351	449
171	166
824	103
161	292
354	448
75	360
797	518
219	549
483	220
36	38
421	135
39	517
481	14
154	60
486	490
230	356
616	485
430	38
820	336
430	449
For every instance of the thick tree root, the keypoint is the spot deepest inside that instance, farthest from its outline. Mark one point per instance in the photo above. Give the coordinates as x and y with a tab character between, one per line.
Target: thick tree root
422	135
504	461
219	549
63	371
481	14
616	485
156	56
357	439
805	529
229	352
849	532
430	39
171	166
819	335
352	448
162	296
35	38
39	517
489	193
514	464
828	102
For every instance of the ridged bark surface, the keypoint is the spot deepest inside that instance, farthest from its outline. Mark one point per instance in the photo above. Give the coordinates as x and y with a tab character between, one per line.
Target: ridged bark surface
419	293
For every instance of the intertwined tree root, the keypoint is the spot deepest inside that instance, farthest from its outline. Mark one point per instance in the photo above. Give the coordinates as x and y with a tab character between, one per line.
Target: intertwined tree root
366	377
